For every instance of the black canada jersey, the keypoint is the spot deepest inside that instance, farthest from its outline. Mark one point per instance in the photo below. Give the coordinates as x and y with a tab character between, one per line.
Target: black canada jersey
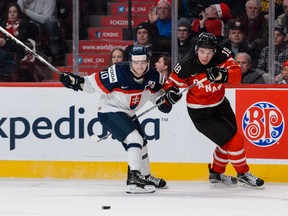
191	65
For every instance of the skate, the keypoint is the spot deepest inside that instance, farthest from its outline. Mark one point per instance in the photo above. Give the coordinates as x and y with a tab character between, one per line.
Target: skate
137	183
249	180
157	182
218	179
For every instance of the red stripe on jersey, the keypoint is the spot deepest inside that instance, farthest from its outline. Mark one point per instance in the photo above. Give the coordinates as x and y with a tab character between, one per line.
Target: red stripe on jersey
99	83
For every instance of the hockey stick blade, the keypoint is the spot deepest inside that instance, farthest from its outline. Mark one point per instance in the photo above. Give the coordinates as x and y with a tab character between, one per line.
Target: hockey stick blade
40	58
94	137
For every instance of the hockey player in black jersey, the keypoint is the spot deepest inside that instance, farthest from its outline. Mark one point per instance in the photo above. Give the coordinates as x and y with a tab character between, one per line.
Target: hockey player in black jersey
125	88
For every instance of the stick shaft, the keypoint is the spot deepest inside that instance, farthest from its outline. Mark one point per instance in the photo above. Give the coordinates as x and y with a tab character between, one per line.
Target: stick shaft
161	102
140	115
40	58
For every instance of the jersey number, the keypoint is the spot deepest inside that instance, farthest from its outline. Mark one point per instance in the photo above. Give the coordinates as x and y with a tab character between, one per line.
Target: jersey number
104	75
177	68
226	51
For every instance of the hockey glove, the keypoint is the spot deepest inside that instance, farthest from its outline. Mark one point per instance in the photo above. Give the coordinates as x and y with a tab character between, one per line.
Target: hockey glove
165	107
70	80
217	75
172	95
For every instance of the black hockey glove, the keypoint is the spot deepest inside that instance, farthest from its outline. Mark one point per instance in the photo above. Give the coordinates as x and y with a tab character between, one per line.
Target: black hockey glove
70	80
165	107
213	72
172	95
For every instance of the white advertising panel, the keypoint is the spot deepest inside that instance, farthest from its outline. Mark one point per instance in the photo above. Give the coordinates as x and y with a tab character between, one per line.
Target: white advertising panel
43	123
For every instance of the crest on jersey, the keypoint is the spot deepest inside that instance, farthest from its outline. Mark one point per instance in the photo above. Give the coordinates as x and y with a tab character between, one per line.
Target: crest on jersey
263	124
134	101
151	84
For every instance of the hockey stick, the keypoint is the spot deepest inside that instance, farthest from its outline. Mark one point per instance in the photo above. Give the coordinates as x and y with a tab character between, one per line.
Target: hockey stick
40	58
93	137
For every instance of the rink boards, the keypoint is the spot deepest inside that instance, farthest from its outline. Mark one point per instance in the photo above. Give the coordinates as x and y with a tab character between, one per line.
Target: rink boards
45	133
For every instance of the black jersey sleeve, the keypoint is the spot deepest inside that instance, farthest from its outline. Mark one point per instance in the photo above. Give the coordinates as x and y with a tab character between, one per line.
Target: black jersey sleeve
221	55
189	66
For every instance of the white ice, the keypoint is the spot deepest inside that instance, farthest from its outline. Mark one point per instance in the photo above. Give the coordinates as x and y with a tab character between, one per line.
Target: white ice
26	197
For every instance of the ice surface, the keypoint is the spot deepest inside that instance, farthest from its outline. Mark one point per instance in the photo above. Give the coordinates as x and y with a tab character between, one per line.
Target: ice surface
34	197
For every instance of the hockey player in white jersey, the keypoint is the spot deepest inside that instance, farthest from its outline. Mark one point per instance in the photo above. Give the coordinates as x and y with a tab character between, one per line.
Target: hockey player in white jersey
125	87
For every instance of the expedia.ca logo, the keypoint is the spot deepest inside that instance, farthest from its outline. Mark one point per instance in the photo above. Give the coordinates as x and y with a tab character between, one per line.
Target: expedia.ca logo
73	125
263	124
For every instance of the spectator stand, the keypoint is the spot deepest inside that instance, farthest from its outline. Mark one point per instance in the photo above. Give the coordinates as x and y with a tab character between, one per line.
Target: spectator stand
104	33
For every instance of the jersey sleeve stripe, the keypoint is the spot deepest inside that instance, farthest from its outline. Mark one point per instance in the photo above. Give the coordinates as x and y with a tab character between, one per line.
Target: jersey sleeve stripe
99	84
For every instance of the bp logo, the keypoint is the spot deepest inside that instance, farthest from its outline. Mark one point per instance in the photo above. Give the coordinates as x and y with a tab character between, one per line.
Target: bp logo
263	124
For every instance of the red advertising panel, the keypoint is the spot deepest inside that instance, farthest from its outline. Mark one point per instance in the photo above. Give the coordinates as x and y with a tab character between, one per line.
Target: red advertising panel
262	119
89	46
120	21
90	59
96	33
83	71
138	8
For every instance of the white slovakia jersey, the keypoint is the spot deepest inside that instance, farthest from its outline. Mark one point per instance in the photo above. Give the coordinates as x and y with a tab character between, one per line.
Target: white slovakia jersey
119	90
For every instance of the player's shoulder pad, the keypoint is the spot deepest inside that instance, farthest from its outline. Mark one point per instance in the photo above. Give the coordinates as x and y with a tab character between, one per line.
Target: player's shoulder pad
116	71
155	75
188	66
